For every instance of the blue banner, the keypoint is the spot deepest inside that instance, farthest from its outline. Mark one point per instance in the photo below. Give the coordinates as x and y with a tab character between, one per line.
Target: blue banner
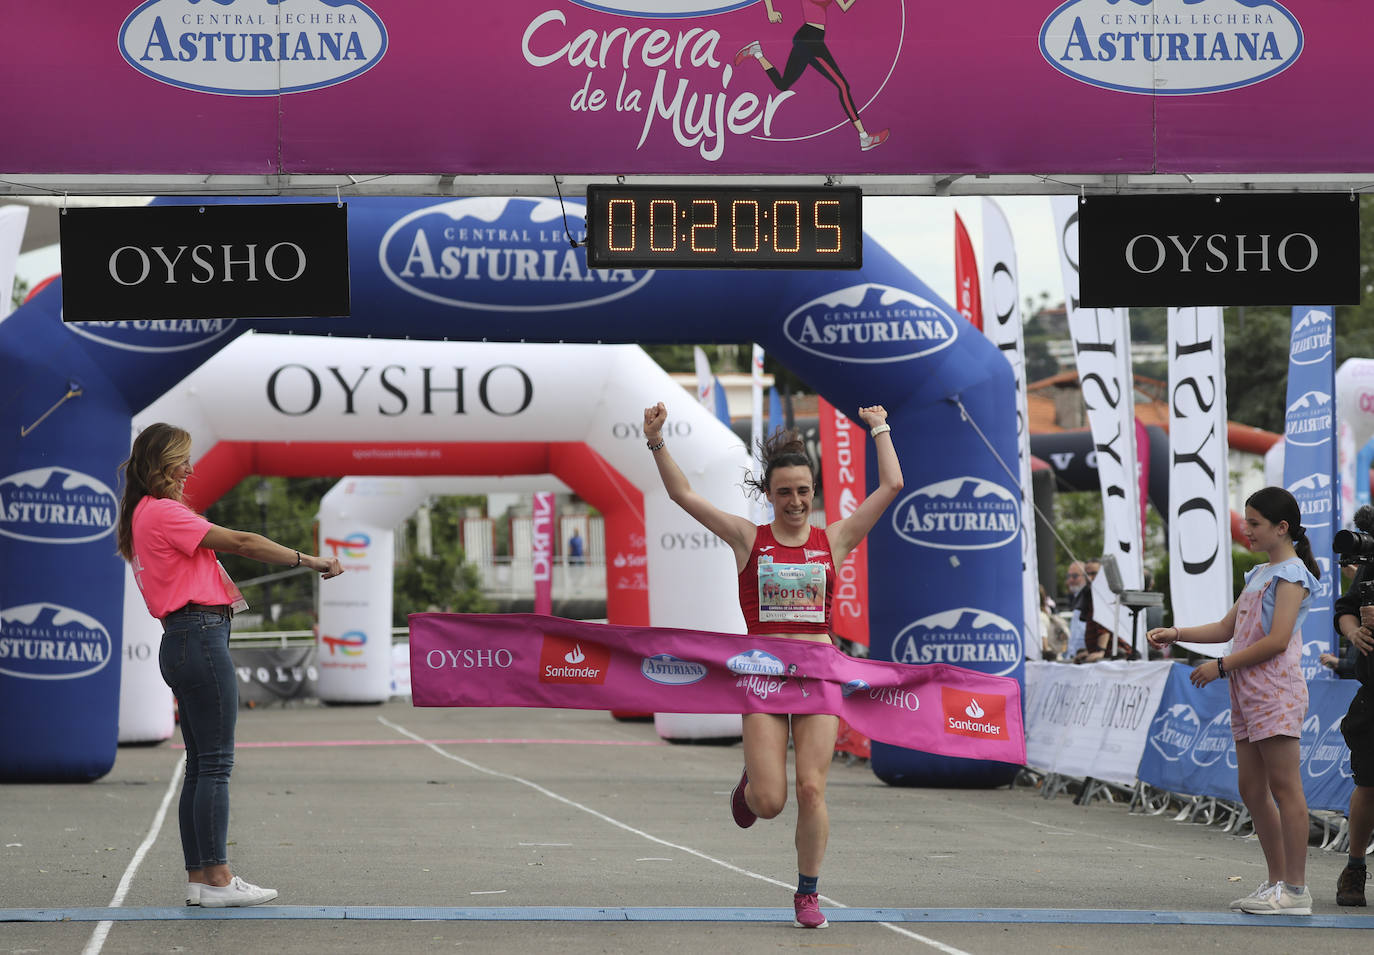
1190	749
1309	454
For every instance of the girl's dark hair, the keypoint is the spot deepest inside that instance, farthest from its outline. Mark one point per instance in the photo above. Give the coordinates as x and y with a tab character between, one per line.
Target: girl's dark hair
781	449
148	472
1275	504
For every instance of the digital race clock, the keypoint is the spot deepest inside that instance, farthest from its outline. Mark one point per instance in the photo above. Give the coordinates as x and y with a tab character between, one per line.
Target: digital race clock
724	227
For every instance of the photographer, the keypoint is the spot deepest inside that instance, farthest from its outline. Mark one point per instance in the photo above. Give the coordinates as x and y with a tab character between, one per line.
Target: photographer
1354	613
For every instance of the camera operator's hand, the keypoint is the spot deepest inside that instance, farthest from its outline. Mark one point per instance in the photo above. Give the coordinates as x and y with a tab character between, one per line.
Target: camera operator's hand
1362	637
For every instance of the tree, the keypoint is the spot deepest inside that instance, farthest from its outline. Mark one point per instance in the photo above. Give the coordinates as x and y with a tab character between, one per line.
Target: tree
445	581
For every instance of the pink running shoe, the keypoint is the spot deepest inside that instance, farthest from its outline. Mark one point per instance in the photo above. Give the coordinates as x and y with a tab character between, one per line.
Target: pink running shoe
744	816
808	912
873	142
748	50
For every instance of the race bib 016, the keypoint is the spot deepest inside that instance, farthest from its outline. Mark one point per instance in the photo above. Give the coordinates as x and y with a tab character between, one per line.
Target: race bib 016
792	592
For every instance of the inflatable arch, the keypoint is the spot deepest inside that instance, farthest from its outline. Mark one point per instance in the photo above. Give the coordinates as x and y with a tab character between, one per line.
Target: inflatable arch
490	270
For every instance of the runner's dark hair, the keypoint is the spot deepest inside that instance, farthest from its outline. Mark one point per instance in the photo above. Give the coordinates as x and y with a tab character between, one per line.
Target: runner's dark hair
781	449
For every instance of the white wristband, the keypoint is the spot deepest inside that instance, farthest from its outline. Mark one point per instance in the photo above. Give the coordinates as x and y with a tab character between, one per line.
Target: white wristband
879	429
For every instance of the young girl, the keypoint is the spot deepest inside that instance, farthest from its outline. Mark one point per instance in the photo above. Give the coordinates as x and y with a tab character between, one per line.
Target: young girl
1268	693
787	545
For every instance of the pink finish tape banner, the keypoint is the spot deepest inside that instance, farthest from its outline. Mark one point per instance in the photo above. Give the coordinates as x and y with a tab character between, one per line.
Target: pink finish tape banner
533	660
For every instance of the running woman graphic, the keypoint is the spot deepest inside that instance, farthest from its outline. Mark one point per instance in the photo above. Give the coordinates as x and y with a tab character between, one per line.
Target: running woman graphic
809	49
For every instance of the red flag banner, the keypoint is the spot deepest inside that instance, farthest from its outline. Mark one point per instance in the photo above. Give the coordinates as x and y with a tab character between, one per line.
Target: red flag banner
842	473
968	297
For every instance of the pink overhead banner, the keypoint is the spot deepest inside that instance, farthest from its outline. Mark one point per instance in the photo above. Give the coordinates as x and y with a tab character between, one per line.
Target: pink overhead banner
680	86
532	660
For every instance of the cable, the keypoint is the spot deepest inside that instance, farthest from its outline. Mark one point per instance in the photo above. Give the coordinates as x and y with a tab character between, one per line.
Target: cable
566	231
1016	481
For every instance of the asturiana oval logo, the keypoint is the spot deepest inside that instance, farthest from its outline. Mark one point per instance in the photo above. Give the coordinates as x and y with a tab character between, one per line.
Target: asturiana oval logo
964	636
870	324
962	513
1174	731
1313	494
499	255
56	505
668	670
1312	337
44	641
1214	741
1309	421
253	47
755	662
166	335
1328	753
1171	47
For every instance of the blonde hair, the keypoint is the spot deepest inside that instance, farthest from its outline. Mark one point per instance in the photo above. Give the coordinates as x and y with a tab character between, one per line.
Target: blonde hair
158	449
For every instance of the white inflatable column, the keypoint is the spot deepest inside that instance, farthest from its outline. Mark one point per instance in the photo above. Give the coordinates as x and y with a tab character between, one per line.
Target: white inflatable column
145	702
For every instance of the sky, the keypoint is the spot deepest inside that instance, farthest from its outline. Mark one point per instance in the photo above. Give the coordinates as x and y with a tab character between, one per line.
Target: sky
917	230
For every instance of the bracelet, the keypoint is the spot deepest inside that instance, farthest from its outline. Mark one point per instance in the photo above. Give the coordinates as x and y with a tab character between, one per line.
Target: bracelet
657	447
1221	667
880	429
298	559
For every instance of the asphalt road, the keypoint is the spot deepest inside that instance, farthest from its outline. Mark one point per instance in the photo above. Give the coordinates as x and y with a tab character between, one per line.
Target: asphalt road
397	829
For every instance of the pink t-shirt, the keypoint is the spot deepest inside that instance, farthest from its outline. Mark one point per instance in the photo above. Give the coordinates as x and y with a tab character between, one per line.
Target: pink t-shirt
171	567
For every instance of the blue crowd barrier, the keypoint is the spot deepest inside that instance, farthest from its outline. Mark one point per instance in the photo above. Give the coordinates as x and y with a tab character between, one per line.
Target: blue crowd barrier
1190	750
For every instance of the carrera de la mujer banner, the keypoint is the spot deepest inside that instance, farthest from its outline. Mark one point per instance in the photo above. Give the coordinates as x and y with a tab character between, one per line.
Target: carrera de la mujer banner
608	87
534	660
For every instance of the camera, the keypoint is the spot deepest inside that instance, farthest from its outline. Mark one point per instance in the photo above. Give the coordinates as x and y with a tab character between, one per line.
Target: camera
1356	547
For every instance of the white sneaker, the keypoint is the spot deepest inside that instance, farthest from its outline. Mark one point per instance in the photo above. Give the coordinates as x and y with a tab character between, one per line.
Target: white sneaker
1265	888
1280	900
236	893
192	893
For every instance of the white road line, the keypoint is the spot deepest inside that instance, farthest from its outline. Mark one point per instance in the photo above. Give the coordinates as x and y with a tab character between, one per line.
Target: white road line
939	946
102	929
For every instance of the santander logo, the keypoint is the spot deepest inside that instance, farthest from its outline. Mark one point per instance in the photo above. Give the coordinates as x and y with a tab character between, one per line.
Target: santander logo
966	716
563	660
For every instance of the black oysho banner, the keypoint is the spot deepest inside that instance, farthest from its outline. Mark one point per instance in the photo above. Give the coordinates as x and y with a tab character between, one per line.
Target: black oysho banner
1219	250
286	260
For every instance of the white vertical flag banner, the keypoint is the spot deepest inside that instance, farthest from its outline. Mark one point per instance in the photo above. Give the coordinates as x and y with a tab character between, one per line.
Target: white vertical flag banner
13	219
1002	324
762	510
705	381
1102	351
1200	582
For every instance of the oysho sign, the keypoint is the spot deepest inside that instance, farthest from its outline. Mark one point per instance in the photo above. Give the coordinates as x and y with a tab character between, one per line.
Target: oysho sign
253	47
1218	250
189	263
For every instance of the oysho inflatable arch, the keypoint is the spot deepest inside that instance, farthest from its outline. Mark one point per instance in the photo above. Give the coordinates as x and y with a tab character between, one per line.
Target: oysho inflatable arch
942	560
519	411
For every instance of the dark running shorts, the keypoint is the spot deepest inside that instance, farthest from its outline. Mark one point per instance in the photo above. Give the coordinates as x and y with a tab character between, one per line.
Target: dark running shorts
1358	730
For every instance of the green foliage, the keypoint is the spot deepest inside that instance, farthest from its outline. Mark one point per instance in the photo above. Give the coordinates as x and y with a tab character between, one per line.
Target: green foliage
1256	342
288	517
444	581
21	289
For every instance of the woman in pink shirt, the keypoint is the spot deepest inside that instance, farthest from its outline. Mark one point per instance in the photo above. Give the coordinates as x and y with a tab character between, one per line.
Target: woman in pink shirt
172	550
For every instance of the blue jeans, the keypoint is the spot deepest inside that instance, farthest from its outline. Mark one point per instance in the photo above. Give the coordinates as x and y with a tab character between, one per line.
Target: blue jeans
194	659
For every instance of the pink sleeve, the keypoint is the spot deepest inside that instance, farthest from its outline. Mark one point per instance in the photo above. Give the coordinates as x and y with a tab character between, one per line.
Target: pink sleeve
183	528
